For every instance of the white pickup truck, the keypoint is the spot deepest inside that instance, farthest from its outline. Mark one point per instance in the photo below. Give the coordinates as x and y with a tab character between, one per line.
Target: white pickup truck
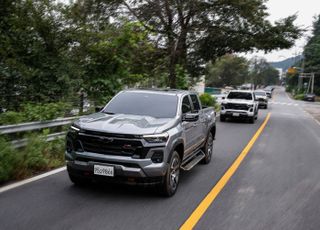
240	104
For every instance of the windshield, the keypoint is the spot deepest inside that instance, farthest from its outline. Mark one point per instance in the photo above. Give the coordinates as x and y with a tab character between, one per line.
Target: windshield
240	95
260	93
143	103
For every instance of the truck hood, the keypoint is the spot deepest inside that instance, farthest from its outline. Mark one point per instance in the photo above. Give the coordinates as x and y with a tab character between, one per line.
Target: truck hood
125	124
238	101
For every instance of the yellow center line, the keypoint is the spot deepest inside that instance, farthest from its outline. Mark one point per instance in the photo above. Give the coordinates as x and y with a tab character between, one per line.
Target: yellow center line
207	201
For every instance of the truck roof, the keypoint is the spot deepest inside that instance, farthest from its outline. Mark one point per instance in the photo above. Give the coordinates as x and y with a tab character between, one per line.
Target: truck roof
242	91
160	90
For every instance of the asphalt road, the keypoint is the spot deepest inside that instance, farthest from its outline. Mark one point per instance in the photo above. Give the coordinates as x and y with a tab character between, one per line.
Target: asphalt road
277	186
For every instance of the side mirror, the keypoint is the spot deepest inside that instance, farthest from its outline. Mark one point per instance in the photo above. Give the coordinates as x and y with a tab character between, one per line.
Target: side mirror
189	117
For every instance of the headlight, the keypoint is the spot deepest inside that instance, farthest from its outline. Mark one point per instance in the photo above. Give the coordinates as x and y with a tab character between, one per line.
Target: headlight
156	138
74	128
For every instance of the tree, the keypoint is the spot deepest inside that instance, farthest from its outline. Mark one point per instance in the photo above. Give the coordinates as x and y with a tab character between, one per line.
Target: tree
262	73
196	31
33	64
228	70
312	53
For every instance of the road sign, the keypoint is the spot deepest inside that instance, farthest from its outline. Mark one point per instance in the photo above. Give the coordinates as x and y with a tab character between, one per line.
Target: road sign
292	70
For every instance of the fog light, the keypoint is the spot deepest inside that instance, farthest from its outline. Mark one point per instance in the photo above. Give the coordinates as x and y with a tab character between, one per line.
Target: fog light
157	156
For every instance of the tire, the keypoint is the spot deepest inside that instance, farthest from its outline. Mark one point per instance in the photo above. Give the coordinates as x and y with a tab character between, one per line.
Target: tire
170	182
222	118
251	120
208	149
78	181
266	106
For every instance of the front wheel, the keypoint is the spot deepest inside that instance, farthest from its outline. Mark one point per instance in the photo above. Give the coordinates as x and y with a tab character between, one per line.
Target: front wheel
170	182
222	118
208	149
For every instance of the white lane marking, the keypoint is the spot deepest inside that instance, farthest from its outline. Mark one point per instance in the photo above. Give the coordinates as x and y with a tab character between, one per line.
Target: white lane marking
32	179
312	117
283	103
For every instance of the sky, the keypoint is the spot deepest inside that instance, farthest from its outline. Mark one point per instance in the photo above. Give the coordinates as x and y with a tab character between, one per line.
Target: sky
305	9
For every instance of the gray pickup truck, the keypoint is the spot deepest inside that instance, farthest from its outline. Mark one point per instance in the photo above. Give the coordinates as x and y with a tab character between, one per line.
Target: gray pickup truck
142	137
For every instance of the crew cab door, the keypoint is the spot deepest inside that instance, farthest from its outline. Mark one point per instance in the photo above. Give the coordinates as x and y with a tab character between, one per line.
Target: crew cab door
200	129
189	127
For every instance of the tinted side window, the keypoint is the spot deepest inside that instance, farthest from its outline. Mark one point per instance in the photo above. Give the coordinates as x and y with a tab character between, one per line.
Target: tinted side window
195	102
144	104
186	106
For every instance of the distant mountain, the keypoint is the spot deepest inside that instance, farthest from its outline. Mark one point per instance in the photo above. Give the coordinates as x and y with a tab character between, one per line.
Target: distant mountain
287	63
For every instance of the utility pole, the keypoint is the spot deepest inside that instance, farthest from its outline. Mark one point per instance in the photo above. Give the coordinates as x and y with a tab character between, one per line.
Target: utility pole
311	80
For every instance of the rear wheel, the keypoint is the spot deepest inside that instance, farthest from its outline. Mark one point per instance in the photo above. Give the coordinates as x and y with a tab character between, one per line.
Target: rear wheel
170	182
208	149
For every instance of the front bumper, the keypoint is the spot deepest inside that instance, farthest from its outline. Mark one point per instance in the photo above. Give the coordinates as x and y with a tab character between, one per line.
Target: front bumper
126	169
236	113
263	103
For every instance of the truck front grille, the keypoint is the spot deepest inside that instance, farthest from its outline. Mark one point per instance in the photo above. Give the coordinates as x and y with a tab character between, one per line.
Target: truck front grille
110	145
236	106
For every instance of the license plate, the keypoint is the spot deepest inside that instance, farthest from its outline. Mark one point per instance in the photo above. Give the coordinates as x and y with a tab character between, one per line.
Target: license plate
103	170
236	114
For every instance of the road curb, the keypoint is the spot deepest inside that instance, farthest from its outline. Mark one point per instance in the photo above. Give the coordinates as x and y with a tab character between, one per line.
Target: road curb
32	179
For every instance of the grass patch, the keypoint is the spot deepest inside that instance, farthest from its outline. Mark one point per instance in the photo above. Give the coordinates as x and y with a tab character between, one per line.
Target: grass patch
38	156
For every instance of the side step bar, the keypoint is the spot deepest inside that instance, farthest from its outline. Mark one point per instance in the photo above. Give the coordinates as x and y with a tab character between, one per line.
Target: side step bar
193	161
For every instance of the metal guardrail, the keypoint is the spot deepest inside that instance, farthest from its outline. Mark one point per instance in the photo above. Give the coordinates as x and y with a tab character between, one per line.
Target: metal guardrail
23	142
30	126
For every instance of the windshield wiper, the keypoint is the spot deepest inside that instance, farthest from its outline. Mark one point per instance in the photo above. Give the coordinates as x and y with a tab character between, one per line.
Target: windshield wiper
109	113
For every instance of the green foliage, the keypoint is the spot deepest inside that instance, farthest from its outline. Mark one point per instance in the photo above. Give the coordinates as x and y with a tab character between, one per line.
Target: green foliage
49	51
37	156
11	118
41	112
207	100
8	161
312	53
33	154
299	96
262	73
182	76
35	112
229	70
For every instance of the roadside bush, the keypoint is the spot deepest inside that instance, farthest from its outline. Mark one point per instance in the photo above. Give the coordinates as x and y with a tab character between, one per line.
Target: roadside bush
11	118
37	156
207	100
34	157
33	112
299	96
8	161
